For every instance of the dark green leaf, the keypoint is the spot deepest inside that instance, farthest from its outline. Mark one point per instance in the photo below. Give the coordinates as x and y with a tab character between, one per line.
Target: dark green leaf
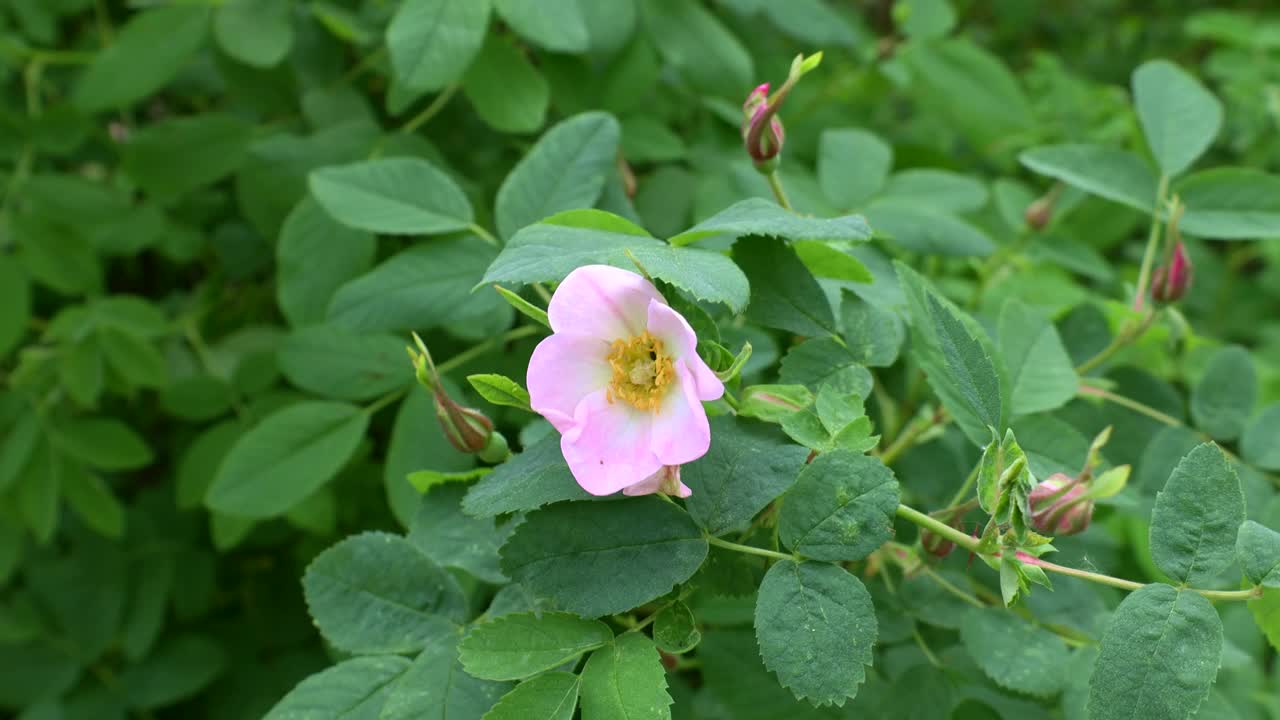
103	443
433	41
784	294
177	670
675	630
1258	549
334	362
441	532
841	507
1041	374
757	216
1106	172
518	646
1196	516
211	147
402	196
625	680
255	32
536	477
1223	400
1015	653
549	696
435	686
1258	445
355	689
151	49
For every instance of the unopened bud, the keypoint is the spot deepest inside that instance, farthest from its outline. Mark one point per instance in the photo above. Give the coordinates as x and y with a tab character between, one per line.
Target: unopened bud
762	131
466	429
1039	213
936	545
1057	507
1172	280
497	450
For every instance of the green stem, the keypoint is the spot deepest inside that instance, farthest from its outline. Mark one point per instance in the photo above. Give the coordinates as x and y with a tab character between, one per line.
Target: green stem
748	549
386	400
1131	404
950	587
1153	241
485	235
431	110
476	351
908	437
775	184
1123	339
965	487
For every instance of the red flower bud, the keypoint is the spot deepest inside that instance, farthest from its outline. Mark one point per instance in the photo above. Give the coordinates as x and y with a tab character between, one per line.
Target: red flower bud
936	545
762	132
1039	213
1172	280
1056	508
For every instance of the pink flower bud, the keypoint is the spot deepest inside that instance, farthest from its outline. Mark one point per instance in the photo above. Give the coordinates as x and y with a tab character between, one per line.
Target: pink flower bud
466	429
1172	280
1055	509
762	132
1039	213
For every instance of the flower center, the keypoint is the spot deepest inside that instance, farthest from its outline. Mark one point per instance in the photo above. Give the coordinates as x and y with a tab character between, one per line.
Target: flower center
642	371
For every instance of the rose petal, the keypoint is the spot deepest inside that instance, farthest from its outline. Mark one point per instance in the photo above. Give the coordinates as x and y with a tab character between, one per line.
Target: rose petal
602	301
668	475
681	432
678	336
608	447
564	369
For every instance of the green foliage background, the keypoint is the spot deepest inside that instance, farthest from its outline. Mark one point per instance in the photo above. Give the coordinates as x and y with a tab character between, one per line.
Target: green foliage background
221	218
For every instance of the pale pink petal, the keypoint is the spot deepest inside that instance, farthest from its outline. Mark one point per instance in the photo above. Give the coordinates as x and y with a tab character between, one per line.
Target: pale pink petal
608	447
602	301
682	343
648	486
666	480
681	432
563	370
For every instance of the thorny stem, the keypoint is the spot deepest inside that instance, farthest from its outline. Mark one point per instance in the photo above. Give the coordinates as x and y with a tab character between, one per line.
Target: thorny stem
971	544
775	184
748	549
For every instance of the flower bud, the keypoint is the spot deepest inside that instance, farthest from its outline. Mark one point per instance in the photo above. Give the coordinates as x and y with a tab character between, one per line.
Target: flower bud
1172	280
467	429
936	545
1039	213
762	132
1057	507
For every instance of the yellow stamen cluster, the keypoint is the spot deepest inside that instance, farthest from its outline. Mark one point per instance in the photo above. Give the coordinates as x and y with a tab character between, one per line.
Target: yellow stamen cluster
642	371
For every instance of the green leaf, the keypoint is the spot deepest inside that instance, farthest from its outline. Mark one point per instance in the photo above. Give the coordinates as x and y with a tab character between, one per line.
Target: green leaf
556	25
698	46
93	501
199	463
836	421
432	42
255	32
103	443
1258	549
1134	677
818	362
873	336
1015	653
536	477
773	403
816	627
375	593
939	189
506	90
500	390
15	304
428	285
514	647
1179	116
1258	445
841	508
644	546
784	294
355	689
441	532
553	248
550	696
1041	373
853	165
1230	204
335	362
1223	400
1266	614
17	447
625	680
1106	172
303	286
757	216
827	261
417	441
675	630
923	229
149	51
567	169
394	196
1196	516
286	458
435	686
179	669
925	19
212	147
133	357
748	465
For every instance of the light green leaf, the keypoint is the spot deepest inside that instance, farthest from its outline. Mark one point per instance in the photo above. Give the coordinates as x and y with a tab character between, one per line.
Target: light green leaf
1179	116
103	443
1015	653
285	458
556	25
375	593
1196	516
757	216
417	441
433	41
355	689
303	286
772	403
827	261
1223	400
332	361
816	627
149	51
675	630
969	88
1134	678
625	680
841	508
853	165
536	477
748	465
1041	373
924	229
1106	172
925	19
507	91
940	189
1266	614
550	250
549	696
873	335
518	646
693	41
1258	445
427	285
211	146
824	361
644	546
1230	204
500	390
180	668
784	294
396	195
1258	549
441	532
435	686
255	32
567	169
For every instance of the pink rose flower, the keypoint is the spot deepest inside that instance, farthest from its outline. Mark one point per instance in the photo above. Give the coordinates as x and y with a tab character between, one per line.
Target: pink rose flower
621	380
